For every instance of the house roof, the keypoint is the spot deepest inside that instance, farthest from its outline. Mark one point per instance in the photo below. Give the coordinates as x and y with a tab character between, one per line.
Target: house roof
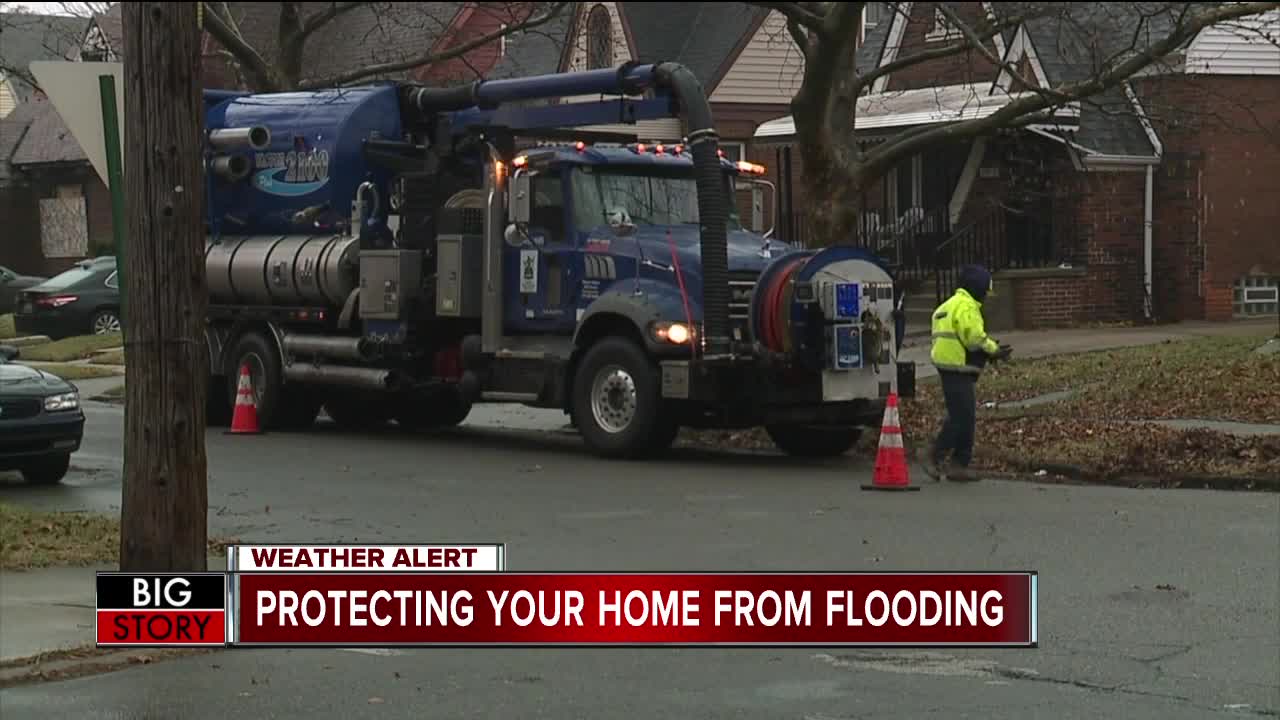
25	38
372	33
34	133
537	51
703	36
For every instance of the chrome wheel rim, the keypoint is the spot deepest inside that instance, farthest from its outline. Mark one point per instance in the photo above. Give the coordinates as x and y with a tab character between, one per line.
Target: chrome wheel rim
106	323
613	399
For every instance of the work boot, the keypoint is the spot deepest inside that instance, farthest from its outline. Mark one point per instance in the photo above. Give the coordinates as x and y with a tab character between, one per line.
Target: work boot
962	474
932	466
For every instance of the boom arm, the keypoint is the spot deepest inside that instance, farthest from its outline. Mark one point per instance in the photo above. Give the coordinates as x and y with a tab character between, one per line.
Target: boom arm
676	91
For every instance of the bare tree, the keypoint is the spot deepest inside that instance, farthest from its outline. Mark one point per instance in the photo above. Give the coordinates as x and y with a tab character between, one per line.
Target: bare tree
276	61
837	170
164	511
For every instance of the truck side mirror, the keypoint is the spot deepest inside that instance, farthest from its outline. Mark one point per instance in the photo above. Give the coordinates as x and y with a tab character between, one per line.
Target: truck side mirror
520	197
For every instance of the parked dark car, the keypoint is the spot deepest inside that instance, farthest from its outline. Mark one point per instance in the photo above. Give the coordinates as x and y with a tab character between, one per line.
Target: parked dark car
41	422
84	300
10	283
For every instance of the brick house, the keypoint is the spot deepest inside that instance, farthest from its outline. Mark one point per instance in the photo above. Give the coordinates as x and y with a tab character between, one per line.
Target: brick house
57	210
1152	202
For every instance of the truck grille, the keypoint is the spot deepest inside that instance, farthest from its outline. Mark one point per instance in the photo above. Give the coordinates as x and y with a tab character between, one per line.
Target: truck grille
741	286
19	409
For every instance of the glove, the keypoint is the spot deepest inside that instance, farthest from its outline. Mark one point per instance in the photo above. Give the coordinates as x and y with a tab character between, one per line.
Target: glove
1004	352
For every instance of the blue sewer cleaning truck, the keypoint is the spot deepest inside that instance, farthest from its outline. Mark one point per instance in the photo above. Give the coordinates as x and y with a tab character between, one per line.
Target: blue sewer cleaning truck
400	253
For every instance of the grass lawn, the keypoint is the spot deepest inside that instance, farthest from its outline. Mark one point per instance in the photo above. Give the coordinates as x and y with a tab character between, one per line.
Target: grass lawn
113	357
33	539
115	394
1199	379
68	371
75	348
1213	379
6	327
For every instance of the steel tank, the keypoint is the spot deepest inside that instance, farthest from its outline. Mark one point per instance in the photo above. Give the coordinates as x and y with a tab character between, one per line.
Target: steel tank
285	270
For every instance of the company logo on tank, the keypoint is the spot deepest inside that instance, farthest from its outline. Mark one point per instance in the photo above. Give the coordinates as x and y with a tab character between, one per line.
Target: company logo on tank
303	172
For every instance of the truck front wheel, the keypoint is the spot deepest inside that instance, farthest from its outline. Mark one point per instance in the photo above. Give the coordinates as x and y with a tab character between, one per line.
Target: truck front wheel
813	441
617	400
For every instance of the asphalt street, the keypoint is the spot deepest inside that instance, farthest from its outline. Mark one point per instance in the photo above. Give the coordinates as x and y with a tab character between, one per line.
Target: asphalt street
1153	603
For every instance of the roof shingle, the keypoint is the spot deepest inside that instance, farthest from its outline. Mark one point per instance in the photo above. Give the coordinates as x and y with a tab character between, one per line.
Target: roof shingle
26	38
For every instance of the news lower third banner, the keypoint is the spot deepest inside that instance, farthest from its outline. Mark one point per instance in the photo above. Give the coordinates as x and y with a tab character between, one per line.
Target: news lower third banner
463	596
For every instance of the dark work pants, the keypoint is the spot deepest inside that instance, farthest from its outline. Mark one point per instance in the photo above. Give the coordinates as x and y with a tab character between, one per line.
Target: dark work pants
957	432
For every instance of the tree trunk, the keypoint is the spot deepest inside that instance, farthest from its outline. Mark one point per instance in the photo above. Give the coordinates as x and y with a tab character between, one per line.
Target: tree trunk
164	512
830	178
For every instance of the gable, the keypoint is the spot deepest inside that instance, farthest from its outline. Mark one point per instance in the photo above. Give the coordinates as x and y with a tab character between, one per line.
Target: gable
768	70
591	19
922	27
1022	56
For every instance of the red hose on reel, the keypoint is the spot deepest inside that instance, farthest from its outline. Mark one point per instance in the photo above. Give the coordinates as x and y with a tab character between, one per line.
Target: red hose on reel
773	315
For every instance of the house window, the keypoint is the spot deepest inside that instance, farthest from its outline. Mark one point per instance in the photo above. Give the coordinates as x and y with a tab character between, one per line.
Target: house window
1256	295
599	38
874	14
734	151
942	28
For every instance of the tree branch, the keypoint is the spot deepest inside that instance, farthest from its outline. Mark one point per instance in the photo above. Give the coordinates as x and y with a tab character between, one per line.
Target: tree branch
887	155
796	12
955	48
322	18
431	58
223	28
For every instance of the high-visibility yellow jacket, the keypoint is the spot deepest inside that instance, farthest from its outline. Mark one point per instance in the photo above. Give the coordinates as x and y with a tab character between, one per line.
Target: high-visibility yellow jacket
960	340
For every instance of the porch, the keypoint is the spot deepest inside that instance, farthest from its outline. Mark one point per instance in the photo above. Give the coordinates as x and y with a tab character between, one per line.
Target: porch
995	200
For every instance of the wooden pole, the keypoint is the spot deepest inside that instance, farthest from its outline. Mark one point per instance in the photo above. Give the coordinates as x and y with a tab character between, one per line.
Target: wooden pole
164	512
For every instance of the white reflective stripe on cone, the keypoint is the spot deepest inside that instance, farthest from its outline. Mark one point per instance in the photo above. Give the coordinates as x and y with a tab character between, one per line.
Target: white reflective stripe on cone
890	440
891	417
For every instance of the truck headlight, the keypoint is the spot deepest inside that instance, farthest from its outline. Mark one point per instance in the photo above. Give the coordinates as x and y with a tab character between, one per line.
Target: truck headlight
671	332
66	401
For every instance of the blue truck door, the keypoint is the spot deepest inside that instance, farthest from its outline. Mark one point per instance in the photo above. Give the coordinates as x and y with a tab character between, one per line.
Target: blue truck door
540	274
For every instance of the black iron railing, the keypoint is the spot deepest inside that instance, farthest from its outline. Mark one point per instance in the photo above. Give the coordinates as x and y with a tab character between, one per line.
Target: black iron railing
907	243
1000	240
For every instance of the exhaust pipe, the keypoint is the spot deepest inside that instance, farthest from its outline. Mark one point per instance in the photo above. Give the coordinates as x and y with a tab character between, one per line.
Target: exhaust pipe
231	168
713	204
334	348
257	137
342	376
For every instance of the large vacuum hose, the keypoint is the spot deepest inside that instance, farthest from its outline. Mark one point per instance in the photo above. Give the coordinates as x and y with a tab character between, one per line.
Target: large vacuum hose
713	203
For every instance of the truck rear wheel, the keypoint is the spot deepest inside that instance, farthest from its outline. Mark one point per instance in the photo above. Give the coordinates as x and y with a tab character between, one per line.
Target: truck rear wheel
617	400
813	441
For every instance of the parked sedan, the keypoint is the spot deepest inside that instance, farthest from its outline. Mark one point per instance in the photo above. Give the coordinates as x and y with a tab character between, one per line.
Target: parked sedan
10	284
81	301
41	423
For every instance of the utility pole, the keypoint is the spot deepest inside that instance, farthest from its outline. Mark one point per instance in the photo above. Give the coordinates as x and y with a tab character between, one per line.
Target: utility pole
164	513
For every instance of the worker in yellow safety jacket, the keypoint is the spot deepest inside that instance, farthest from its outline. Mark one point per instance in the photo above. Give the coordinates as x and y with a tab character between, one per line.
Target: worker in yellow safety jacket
961	350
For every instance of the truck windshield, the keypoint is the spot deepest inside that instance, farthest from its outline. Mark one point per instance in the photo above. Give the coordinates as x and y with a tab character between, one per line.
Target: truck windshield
647	199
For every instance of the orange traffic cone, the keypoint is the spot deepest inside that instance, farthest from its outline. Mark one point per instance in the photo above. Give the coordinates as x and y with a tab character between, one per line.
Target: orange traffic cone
891	458
245	420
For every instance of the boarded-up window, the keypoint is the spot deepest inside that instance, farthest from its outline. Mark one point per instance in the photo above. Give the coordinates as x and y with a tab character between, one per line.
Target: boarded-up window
64	227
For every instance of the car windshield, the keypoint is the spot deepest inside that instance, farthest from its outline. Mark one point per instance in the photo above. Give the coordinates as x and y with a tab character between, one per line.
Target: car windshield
70	277
647	199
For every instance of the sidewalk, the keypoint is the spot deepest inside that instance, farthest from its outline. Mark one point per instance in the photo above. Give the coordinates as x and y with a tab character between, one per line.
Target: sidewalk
50	609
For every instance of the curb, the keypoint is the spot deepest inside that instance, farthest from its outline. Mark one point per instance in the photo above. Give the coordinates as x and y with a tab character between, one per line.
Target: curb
81	662
1078	474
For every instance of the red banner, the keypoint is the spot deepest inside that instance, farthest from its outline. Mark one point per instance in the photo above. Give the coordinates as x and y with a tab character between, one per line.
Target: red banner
618	609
